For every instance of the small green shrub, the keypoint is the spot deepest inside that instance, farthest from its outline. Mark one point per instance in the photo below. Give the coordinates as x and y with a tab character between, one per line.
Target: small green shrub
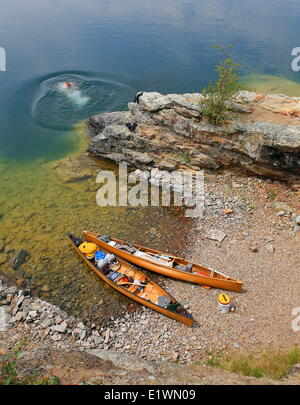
186	156
272	195
217	95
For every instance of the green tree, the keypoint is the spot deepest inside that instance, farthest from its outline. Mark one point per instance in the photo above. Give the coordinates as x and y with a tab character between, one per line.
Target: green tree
219	95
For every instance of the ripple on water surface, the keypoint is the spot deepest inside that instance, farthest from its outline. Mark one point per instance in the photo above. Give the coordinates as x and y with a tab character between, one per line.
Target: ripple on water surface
68	98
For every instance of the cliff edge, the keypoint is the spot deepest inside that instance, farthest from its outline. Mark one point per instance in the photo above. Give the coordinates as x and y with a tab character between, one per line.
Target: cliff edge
261	136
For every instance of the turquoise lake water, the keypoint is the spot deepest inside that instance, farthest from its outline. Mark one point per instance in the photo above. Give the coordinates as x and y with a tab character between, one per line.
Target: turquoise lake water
117	47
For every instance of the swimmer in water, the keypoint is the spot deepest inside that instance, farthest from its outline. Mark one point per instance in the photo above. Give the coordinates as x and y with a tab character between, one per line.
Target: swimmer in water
71	90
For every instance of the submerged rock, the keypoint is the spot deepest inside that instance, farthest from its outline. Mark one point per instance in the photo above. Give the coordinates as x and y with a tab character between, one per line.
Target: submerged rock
19	258
3	258
72	169
2	245
10	290
217	235
45	288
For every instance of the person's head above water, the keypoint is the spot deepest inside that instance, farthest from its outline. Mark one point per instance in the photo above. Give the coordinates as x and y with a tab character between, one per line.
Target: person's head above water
68	84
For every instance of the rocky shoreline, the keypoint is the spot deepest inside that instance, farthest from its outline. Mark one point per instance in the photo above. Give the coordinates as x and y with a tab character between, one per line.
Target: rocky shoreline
168	132
44	320
260	245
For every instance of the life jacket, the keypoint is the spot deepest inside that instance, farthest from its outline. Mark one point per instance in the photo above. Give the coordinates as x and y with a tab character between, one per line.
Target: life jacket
88	249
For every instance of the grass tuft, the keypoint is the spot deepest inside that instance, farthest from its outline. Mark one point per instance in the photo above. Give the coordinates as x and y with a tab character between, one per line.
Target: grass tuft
269	364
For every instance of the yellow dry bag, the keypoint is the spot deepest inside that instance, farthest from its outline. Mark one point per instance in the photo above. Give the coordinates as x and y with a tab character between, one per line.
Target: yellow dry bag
88	249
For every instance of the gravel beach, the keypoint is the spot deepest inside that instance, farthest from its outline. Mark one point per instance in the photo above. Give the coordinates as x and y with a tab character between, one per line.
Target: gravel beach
261	248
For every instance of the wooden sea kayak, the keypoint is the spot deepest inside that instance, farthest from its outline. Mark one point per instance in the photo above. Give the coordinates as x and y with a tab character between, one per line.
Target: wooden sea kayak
165	264
134	284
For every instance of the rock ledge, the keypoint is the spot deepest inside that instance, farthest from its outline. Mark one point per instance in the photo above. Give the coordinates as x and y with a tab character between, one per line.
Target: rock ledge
168	132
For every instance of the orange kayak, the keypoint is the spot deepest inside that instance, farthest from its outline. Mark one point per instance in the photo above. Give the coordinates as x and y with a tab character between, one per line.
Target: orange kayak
165	264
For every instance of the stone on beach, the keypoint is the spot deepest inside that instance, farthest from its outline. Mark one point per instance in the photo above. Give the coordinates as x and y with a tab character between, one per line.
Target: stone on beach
270	249
217	235
61	328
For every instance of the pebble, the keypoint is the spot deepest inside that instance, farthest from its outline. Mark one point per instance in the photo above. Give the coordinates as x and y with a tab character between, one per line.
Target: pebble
20	316
107	335
47	322
97	340
270	249
20	301
19	258
83	334
61	328
56	337
10	290
228	211
282	206
9	298
175	356
32	314
253	247
58	320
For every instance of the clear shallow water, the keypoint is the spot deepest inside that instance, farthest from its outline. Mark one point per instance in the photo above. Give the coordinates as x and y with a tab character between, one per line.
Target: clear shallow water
110	50
38	209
